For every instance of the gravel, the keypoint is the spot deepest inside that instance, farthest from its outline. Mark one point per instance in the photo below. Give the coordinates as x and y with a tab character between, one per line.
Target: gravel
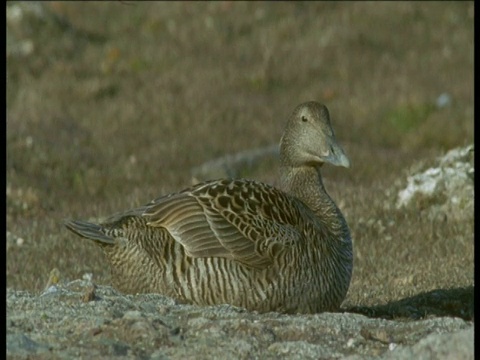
82	320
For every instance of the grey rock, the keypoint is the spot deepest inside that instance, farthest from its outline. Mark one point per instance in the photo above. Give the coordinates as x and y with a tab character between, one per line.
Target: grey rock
459	345
110	324
232	165
22	344
446	188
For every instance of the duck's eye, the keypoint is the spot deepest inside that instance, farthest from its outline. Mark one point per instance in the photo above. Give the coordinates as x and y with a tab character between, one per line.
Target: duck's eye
304	118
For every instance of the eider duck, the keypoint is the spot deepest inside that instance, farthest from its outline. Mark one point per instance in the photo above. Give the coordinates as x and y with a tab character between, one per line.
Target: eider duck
238	241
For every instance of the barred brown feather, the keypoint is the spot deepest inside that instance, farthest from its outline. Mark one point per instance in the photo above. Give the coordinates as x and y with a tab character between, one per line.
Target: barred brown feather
240	241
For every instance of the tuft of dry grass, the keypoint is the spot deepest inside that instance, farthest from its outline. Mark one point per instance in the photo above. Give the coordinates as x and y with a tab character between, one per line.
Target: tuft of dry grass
116	104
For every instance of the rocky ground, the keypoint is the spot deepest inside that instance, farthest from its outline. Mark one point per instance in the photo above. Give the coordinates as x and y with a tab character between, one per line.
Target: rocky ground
80	320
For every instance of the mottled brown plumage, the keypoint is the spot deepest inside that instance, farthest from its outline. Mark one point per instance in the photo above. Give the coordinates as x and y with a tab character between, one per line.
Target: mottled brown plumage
242	242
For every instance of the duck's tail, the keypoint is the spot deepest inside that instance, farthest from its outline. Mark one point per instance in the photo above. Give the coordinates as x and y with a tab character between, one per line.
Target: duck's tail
90	231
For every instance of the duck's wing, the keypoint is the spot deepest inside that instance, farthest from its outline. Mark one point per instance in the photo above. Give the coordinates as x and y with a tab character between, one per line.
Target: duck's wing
243	220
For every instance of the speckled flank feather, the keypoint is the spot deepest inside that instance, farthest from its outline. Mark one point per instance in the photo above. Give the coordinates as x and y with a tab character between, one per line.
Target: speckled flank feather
239	241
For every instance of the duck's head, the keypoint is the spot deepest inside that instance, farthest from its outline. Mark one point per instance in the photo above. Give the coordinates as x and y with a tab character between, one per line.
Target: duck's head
309	139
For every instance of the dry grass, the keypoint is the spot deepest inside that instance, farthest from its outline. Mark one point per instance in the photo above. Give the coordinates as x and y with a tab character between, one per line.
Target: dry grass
119	100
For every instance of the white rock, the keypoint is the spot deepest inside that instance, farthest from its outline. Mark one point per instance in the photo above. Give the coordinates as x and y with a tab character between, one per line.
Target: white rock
449	184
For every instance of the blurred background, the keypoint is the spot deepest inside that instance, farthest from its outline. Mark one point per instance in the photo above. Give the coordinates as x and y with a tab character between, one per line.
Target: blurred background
111	104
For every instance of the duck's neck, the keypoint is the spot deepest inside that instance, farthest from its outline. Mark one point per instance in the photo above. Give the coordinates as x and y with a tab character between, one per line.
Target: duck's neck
305	183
